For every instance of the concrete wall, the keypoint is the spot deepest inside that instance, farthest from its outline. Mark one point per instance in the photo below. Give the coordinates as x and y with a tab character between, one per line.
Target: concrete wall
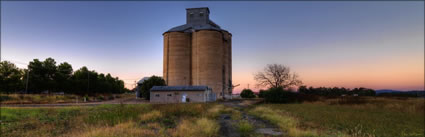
176	96
177	58
202	57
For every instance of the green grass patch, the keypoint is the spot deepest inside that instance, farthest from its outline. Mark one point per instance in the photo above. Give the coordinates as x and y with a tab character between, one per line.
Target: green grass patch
245	128
109	120
369	119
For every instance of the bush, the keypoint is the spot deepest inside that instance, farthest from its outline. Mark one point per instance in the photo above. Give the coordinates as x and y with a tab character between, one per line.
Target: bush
262	93
279	95
247	93
148	84
245	128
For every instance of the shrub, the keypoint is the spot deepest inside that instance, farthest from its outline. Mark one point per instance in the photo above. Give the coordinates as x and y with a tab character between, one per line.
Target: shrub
148	84
245	128
262	93
247	93
279	95
100	98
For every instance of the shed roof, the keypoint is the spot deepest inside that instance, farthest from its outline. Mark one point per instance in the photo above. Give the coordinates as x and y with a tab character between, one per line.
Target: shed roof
179	88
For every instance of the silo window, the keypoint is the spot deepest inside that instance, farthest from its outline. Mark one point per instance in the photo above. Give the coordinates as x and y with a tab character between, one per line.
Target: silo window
170	95
191	14
201	14
156	95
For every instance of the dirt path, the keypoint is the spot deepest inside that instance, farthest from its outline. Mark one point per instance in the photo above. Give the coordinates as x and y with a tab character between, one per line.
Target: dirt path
261	127
124	100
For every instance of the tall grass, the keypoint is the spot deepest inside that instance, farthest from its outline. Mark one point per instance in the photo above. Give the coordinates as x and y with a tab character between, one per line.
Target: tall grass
245	128
283	121
381	117
202	127
110	120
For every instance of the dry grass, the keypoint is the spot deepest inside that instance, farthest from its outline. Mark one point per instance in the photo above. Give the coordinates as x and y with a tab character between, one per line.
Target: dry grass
110	120
50	98
383	117
151	116
283	121
128	129
402	104
202	127
245	128
35	98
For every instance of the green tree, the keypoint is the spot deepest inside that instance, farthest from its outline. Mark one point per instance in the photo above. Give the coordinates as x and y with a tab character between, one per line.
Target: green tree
149	83
80	81
63	77
42	75
262	94
247	93
10	77
36	76
50	68
280	95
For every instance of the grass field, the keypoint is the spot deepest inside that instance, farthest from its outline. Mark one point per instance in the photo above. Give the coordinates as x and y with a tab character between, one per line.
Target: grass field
52	99
380	117
370	117
112	120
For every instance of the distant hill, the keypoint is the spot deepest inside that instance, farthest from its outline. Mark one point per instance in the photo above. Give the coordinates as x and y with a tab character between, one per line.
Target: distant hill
399	92
386	91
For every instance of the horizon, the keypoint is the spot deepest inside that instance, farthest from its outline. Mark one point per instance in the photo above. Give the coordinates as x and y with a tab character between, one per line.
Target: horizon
377	45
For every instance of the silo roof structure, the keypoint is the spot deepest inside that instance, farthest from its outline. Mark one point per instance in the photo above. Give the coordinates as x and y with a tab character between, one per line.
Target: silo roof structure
197	22
198	53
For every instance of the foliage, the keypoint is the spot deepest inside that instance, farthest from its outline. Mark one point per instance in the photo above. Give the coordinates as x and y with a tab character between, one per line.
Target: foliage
276	75
245	128
280	95
10	77
47	76
148	84
247	93
323	91
262	93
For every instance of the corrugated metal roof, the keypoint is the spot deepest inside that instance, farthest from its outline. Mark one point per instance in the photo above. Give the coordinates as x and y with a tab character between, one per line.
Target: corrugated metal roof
179	88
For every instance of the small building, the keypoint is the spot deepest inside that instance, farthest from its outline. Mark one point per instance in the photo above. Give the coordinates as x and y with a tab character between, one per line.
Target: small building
181	94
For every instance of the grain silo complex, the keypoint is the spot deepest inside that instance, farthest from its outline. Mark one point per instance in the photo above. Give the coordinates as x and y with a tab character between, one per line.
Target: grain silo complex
199	53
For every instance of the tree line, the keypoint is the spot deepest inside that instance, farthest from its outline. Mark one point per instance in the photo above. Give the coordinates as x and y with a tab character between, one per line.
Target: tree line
336	91
278	79
41	76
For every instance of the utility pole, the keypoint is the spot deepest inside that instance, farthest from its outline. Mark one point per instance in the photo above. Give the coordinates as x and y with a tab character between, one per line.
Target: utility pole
248	86
28	76
88	80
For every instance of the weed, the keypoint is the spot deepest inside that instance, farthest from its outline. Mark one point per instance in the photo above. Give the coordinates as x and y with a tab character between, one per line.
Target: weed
200	127
151	116
245	128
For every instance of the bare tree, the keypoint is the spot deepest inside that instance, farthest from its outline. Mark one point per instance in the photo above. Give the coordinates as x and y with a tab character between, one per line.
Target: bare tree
276	75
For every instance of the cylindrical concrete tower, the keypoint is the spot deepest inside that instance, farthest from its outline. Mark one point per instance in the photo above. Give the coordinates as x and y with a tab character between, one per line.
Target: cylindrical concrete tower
209	59
199	53
177	58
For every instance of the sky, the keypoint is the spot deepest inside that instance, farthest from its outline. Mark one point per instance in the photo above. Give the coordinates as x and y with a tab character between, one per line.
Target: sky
377	45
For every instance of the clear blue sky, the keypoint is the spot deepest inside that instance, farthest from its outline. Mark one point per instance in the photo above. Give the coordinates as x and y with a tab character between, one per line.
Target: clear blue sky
372	44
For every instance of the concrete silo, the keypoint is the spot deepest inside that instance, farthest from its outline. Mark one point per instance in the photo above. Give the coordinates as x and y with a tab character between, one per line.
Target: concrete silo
198	53
177	58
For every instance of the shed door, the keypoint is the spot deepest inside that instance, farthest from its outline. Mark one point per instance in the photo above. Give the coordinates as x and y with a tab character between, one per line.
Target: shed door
184	97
